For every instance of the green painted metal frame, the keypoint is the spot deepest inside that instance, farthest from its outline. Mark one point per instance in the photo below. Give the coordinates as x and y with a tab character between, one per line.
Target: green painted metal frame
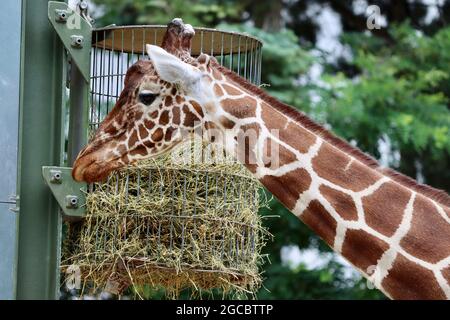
75	33
41	143
69	193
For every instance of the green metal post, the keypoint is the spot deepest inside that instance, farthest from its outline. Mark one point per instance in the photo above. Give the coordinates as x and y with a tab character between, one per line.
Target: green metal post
79	90
41	144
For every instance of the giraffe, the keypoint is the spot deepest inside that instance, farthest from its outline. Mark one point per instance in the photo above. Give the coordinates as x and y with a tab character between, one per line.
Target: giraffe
395	231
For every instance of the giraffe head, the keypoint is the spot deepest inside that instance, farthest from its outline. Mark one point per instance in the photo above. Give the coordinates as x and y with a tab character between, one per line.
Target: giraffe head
161	104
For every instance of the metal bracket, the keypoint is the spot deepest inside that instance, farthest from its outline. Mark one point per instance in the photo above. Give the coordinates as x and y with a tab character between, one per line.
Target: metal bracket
75	33
14	200
69	193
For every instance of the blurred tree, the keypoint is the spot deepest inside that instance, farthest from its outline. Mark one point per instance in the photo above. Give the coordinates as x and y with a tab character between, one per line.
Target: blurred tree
273	15
400	96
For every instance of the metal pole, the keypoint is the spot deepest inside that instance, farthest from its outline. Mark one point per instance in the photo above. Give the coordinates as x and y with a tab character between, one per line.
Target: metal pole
79	95
41	142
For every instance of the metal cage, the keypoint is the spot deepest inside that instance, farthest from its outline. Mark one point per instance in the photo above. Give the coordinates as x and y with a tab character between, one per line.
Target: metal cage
115	49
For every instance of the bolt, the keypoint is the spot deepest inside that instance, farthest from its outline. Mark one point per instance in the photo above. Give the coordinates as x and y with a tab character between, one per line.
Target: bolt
83	5
77	41
56	177
61	15
71	202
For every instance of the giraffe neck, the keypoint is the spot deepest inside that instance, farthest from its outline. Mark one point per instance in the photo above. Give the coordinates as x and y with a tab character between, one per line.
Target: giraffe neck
398	237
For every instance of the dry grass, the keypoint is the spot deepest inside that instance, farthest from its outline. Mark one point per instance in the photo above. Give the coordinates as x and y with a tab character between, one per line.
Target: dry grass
189	224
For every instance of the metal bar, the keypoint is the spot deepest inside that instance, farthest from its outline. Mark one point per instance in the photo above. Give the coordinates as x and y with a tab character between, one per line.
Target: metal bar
79	116
41	143
239	56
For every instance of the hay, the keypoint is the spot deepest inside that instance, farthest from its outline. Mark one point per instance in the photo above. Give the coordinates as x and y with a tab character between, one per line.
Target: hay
184	220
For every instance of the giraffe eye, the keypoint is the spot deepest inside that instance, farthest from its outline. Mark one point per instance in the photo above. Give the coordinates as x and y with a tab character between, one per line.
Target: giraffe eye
147	98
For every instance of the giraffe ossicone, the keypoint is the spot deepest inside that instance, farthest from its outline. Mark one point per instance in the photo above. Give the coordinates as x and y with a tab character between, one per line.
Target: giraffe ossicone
396	232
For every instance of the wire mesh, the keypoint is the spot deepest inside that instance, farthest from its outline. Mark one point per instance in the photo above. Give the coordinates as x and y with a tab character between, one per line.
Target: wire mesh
115	49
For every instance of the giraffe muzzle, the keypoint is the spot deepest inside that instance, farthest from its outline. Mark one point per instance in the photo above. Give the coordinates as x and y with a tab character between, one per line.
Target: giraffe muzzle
91	167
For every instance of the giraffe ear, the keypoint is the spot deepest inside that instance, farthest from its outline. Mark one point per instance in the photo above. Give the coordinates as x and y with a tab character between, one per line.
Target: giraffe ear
171	68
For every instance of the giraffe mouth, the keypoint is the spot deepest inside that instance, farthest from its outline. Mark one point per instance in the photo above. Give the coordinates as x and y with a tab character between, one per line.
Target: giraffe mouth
89	169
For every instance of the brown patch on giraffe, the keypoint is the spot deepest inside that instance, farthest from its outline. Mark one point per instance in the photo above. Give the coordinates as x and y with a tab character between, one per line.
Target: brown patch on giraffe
341	202
189	117
446	274
154	114
164	118
125	159
298	137
133	139
240	108
216	74
176	115
288	187
294	135
429	236
174	91
179	99
320	221
249	154
408	280
122	149
363	249
157	135
138	115
197	107
334	166
111	155
169	133
149	144
275	155
247	137
141	151
231	90
113	144
218	90
384	209
210	125
226	123
267	153
122	138
111	130
143	132
149	124
168	101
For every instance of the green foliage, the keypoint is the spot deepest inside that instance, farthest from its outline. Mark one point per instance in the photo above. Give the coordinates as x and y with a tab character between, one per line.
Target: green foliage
204	13
281	67
401	92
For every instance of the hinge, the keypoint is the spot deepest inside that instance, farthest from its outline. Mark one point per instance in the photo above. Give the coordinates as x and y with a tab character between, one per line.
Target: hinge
14	199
